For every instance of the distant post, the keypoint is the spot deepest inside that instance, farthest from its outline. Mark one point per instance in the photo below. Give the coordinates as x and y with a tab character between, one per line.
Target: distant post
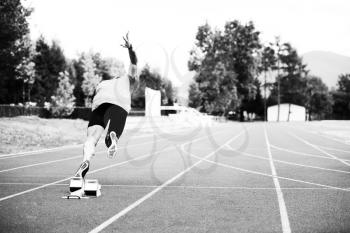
278	78
152	102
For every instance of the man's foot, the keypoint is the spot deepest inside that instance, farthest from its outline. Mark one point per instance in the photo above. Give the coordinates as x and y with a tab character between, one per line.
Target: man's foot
83	169
112	149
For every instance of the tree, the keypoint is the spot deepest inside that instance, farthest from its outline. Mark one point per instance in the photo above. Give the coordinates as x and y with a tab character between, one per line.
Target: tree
225	66
152	79
109	67
268	63
194	96
13	29
168	92
49	62
290	86
344	83
319	101
26	70
341	97
62	102
256	105
91	77
76	72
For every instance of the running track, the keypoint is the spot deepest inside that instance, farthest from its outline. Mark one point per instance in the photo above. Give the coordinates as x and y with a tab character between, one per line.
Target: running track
232	177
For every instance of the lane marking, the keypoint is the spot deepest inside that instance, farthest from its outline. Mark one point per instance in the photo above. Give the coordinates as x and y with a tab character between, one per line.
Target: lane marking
335	149
65	179
286	162
37	152
156	190
319	149
65	159
268	175
324	135
25	153
53	149
281	202
182	186
37	164
97	170
40	151
304	154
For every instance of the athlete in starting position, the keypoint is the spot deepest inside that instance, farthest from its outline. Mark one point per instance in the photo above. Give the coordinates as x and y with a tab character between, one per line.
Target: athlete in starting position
110	104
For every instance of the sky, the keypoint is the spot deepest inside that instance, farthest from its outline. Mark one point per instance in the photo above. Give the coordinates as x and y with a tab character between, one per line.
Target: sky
163	32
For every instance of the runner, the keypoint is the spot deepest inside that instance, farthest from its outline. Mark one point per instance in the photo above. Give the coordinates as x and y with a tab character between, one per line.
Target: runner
110	106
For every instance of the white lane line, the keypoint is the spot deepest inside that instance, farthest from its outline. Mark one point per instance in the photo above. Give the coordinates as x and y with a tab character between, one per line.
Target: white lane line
65	179
286	162
97	170
65	159
59	148
37	164
334	149
156	190
319	149
304	154
268	175
181	186
25	153
324	135
281	202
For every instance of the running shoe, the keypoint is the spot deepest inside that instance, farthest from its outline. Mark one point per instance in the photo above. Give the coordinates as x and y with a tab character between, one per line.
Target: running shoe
112	149
83	169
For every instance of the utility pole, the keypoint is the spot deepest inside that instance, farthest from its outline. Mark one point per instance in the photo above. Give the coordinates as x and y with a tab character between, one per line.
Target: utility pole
278	79
265	110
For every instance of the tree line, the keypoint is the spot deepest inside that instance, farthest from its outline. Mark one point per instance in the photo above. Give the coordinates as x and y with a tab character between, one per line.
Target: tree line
38	71
231	66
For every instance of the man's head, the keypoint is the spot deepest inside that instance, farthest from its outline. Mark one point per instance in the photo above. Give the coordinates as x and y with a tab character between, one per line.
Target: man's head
112	68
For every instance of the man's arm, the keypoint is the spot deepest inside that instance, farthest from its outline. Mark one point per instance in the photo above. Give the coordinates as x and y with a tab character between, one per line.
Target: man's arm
132	56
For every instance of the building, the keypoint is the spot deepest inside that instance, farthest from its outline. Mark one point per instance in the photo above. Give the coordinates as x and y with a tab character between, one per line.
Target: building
296	113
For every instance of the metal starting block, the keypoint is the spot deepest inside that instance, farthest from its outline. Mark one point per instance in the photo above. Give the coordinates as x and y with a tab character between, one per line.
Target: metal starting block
92	188
75	184
80	188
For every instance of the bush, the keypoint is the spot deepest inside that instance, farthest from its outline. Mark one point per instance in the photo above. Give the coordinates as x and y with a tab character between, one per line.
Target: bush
13	111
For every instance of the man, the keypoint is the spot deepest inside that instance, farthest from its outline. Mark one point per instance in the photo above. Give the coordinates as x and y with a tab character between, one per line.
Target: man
110	104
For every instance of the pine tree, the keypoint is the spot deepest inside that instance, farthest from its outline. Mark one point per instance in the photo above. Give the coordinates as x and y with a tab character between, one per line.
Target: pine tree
49	62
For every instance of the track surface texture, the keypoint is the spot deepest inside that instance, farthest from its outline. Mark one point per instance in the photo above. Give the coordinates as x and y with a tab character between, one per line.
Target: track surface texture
230	177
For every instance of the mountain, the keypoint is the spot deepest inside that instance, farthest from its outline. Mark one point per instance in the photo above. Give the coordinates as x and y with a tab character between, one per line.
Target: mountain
327	65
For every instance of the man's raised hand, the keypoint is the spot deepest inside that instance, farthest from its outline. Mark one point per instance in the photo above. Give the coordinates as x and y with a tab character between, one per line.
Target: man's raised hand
127	43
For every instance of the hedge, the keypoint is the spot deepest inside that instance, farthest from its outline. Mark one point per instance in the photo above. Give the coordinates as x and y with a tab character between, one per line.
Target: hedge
78	113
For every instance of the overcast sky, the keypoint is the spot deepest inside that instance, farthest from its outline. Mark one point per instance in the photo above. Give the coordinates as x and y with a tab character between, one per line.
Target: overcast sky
163	32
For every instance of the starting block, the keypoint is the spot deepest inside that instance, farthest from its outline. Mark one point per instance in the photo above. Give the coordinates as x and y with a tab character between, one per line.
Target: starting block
80	188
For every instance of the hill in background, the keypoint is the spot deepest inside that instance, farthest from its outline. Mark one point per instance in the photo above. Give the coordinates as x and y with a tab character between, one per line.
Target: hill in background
327	65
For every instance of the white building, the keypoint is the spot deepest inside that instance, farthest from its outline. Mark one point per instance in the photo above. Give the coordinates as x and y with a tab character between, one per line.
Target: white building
296	113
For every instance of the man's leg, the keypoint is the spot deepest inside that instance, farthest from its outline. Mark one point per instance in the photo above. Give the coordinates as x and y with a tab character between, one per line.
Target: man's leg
94	131
116	116
93	135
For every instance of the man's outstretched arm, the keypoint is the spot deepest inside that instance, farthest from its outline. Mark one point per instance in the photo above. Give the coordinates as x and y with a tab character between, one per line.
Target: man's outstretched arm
132	56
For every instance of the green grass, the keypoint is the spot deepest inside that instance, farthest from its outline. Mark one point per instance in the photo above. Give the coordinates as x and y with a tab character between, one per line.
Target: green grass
26	133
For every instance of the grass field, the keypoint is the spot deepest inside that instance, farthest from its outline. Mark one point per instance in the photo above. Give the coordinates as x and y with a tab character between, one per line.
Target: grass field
231	177
27	133
31	133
